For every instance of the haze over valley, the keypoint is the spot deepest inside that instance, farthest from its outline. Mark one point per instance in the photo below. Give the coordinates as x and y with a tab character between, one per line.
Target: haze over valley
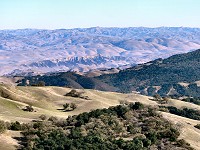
36	51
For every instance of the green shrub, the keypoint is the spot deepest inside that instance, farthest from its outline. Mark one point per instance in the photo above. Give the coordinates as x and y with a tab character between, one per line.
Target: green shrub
185	112
104	129
53	119
74	93
66	106
197	126
15	126
137	105
41	83
73	106
2	126
146	142
28	108
43	117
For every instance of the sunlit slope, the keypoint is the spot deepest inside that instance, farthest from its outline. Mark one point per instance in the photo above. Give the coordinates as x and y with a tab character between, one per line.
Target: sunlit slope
50	100
186	127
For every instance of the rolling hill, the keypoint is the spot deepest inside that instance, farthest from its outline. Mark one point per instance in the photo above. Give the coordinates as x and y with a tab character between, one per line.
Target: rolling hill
49	101
32	51
178	75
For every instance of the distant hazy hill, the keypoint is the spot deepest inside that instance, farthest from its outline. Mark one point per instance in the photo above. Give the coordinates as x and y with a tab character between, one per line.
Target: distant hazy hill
31	51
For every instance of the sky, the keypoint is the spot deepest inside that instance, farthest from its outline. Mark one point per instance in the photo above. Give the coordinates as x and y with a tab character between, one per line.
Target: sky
59	14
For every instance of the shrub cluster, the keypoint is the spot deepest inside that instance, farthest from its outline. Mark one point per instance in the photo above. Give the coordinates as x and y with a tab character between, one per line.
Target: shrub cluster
192	100
129	127
197	126
185	112
69	106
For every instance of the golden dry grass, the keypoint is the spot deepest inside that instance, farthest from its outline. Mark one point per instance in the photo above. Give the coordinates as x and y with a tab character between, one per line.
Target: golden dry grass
187	129
8	141
181	104
48	101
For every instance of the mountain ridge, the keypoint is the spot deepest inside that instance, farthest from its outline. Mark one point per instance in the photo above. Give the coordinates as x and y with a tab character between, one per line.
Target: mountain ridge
161	76
21	48
178	75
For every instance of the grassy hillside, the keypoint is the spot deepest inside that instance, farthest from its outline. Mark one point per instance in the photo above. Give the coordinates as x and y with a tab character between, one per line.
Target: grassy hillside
49	101
186	127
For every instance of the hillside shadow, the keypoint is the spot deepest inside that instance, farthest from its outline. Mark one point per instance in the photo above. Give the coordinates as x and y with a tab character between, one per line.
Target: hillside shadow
63	110
60	109
21	142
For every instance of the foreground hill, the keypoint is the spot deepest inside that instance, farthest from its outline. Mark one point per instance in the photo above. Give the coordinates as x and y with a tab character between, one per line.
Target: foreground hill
31	51
49	101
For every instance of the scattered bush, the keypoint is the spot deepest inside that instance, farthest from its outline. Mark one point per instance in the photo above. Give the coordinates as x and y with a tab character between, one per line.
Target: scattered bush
137	105
16	126
73	106
73	93
53	119
66	106
165	100
41	83
43	117
69	106
124	102
185	112
184	144
28	108
157	97
105	129
192	100
197	126
38	125
2	126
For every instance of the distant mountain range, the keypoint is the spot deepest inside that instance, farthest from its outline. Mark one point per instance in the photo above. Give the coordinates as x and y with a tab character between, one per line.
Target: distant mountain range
178	75
33	51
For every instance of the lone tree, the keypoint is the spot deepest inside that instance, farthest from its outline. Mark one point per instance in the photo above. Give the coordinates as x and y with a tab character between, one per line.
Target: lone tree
73	106
66	106
41	83
165	100
28	108
74	93
197	126
157	97
43	117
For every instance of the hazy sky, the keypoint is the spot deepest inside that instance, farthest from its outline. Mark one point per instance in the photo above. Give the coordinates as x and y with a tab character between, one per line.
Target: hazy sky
56	14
